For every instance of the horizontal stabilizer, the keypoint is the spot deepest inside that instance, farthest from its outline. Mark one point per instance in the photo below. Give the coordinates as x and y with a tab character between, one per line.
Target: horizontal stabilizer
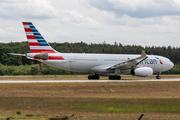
16	54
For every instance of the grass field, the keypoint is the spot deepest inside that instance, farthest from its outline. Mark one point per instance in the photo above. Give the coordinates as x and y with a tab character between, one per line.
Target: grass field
112	100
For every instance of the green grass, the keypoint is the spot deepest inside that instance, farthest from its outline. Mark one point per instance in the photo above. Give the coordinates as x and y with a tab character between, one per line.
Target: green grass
125	100
132	106
100	105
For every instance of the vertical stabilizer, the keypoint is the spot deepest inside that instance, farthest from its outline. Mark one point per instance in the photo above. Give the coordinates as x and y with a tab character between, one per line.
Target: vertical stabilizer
36	41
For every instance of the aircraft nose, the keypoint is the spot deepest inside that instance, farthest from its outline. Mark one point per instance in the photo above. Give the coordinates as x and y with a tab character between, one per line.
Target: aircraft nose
171	65
168	65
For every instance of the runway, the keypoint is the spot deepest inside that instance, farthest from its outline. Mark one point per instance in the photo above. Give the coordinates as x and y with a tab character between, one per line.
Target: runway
68	81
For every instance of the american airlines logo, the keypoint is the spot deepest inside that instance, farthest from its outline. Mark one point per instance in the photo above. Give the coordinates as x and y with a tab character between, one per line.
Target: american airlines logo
149	61
152	61
159	60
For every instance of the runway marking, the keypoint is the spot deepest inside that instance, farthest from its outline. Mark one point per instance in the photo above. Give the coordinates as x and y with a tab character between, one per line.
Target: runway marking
64	81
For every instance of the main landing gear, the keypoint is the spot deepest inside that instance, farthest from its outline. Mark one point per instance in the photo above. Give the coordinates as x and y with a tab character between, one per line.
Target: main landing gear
158	77
94	76
114	77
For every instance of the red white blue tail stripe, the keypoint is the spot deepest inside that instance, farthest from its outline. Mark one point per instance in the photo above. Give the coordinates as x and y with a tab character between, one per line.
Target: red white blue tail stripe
36	41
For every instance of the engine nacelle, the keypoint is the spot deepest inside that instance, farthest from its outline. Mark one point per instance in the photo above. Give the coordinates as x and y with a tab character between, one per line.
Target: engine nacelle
142	72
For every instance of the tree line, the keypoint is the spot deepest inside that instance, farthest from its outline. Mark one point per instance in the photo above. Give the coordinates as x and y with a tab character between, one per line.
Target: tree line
12	65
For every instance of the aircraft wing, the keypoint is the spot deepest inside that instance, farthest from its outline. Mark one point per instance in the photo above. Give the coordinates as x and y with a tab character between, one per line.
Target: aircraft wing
131	63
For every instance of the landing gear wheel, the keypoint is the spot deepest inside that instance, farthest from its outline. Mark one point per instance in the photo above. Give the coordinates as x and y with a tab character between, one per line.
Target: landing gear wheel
90	77
158	77
118	77
113	77
97	77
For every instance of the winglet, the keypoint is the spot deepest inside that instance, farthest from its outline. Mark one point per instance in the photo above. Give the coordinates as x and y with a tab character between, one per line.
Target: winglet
143	57
143	54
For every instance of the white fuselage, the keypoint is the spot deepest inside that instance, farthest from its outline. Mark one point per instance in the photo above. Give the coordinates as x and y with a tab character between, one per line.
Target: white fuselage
98	63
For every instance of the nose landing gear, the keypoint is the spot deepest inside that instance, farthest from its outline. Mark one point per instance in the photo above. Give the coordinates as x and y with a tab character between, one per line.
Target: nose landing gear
158	77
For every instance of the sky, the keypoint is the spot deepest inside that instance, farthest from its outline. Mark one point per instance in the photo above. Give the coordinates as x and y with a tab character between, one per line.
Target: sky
129	22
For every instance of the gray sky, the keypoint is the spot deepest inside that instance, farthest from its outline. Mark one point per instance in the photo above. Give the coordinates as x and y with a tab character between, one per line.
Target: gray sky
139	22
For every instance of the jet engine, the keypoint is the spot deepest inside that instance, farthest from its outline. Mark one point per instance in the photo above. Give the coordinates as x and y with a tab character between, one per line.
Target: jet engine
142	72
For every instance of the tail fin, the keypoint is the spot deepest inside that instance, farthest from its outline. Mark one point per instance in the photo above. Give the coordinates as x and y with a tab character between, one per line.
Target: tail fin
36	41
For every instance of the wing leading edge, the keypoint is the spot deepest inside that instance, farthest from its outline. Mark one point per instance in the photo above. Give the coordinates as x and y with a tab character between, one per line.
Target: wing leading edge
131	63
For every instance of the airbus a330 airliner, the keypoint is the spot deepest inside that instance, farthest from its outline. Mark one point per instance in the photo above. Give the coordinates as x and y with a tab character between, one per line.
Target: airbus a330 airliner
99	64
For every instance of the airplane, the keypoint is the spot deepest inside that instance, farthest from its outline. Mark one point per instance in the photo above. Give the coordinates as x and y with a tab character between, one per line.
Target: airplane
110	65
